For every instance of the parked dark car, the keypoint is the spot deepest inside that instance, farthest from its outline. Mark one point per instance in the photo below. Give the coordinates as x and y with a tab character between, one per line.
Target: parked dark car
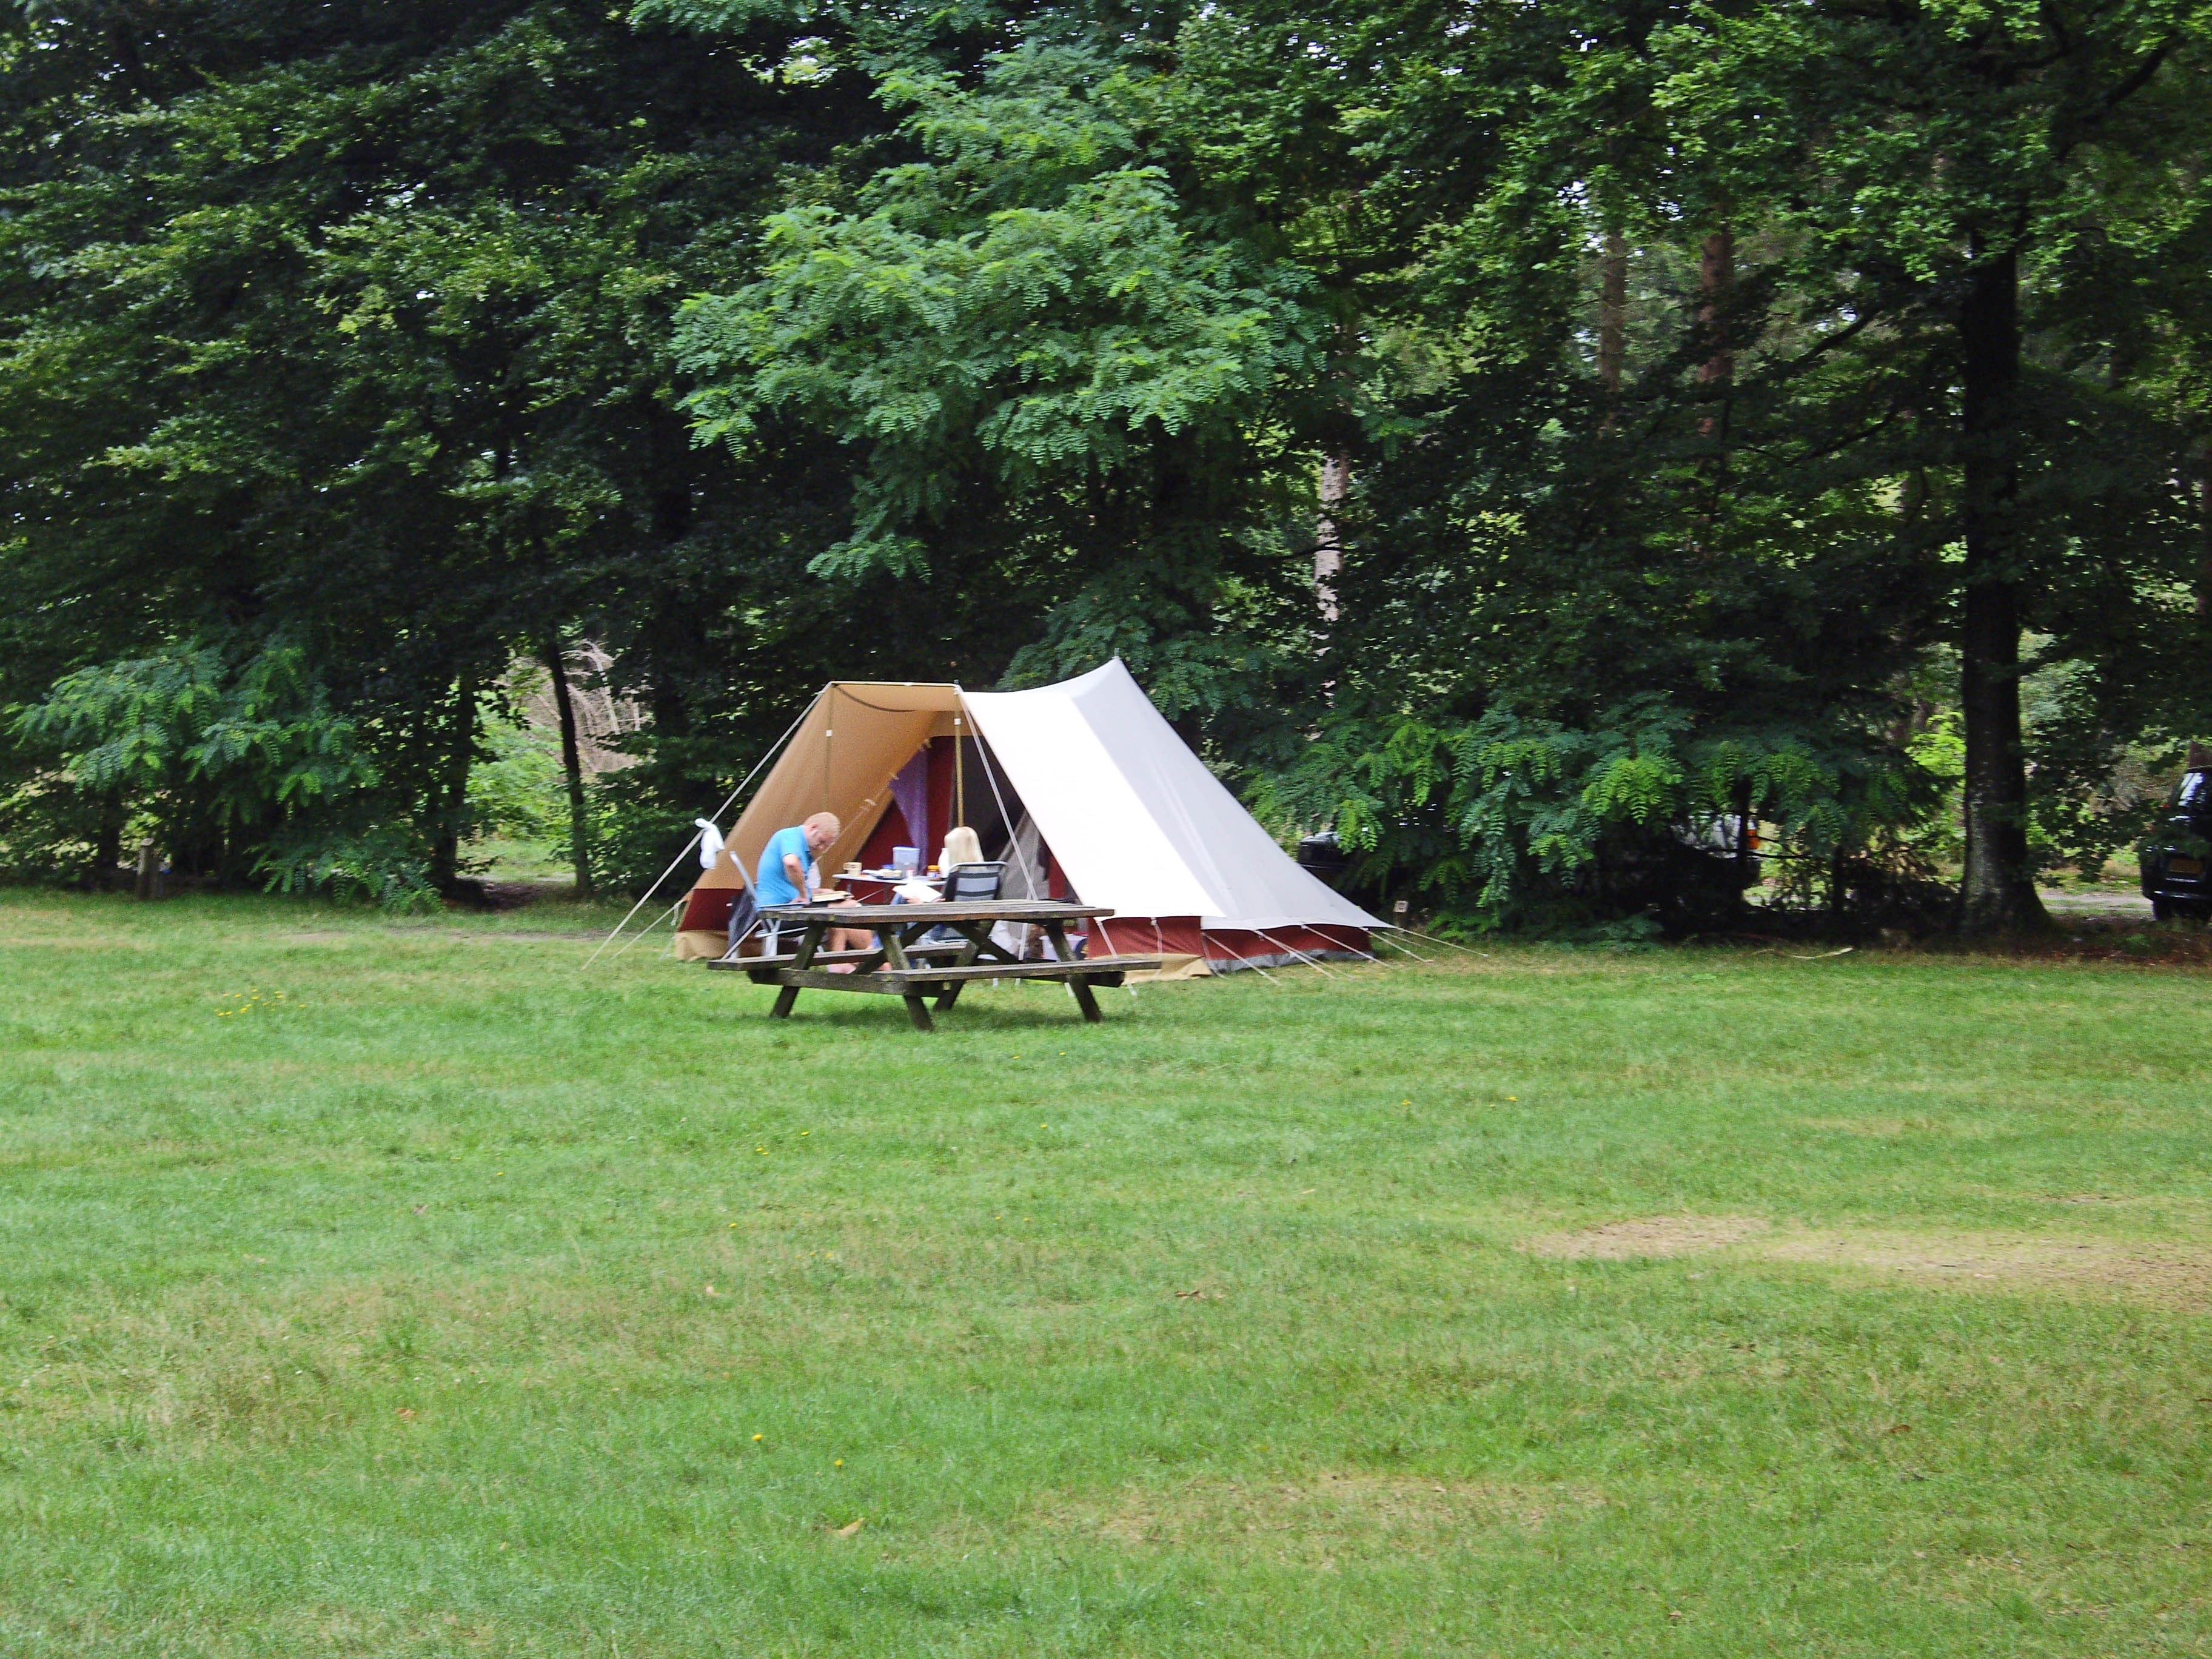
2177	858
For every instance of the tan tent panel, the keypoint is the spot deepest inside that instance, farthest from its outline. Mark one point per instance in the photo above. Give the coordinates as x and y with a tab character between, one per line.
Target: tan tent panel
855	737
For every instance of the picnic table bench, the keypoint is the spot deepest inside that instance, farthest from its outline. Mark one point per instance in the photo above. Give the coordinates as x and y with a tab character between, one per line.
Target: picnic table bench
903	964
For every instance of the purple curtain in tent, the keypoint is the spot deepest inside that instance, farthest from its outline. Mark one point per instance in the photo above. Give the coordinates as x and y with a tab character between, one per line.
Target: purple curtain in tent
910	789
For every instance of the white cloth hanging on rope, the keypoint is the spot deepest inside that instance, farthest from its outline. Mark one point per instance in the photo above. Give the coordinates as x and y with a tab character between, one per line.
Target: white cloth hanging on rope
710	843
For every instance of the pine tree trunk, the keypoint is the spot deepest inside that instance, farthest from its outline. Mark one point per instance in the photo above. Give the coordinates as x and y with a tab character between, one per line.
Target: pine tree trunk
1998	891
107	846
1717	282
2204	529
1328	534
1613	321
571	763
446	851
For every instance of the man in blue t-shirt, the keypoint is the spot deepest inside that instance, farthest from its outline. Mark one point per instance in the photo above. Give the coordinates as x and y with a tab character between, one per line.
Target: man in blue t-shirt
788	873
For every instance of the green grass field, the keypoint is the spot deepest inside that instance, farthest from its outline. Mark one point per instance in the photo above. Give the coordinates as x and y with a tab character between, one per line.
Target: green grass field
398	1289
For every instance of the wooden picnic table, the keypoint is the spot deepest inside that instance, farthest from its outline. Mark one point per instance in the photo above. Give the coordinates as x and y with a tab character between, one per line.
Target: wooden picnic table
903	965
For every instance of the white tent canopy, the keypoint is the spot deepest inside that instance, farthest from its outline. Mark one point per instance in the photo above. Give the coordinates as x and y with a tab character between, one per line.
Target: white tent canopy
1135	821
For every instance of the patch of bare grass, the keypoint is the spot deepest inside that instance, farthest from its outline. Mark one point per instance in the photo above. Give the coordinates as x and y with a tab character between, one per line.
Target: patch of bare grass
1879	1128
1343	1512
2175	1276
2171	1277
285	1363
226	1367
1649	1235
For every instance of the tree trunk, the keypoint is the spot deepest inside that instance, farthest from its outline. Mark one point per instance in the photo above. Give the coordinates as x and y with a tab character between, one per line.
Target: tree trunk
1716	281
1613	322
1997	894
1747	861
107	846
571	763
1328	534
2204	529
446	851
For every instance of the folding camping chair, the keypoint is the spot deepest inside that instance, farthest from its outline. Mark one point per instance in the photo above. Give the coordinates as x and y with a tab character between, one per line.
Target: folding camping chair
971	881
968	882
745	918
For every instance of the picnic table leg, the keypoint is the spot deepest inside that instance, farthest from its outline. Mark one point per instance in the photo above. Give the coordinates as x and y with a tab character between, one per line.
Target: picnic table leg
808	943
1057	933
950	993
917	1008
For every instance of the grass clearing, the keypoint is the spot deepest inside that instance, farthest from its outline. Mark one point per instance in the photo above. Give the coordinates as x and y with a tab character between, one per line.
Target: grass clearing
396	1289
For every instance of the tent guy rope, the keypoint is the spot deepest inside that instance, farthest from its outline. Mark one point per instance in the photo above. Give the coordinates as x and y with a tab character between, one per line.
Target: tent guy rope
1284	945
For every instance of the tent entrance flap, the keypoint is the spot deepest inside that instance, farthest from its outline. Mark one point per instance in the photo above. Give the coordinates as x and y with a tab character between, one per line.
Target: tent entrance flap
842	758
852	741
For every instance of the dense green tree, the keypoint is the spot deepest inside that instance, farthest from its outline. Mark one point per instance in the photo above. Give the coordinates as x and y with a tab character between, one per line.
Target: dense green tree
1604	599
1044	358
1930	168
1543	441
1679	458
352	323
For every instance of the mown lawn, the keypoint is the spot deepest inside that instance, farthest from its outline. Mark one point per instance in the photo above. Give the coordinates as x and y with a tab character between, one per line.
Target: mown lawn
392	1289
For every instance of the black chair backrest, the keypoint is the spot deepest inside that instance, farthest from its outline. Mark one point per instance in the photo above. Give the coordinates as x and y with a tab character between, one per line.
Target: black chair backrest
744	916
974	881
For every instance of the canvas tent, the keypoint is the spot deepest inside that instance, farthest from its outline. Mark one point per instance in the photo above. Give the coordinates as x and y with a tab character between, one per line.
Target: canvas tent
1098	796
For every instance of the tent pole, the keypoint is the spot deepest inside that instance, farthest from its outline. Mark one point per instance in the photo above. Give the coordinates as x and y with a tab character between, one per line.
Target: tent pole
771	754
990	776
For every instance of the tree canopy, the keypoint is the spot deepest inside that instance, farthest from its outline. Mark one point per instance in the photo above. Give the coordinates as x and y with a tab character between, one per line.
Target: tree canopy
1542	444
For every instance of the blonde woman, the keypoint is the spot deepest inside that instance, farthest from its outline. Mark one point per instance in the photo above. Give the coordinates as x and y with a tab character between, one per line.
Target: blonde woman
962	846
